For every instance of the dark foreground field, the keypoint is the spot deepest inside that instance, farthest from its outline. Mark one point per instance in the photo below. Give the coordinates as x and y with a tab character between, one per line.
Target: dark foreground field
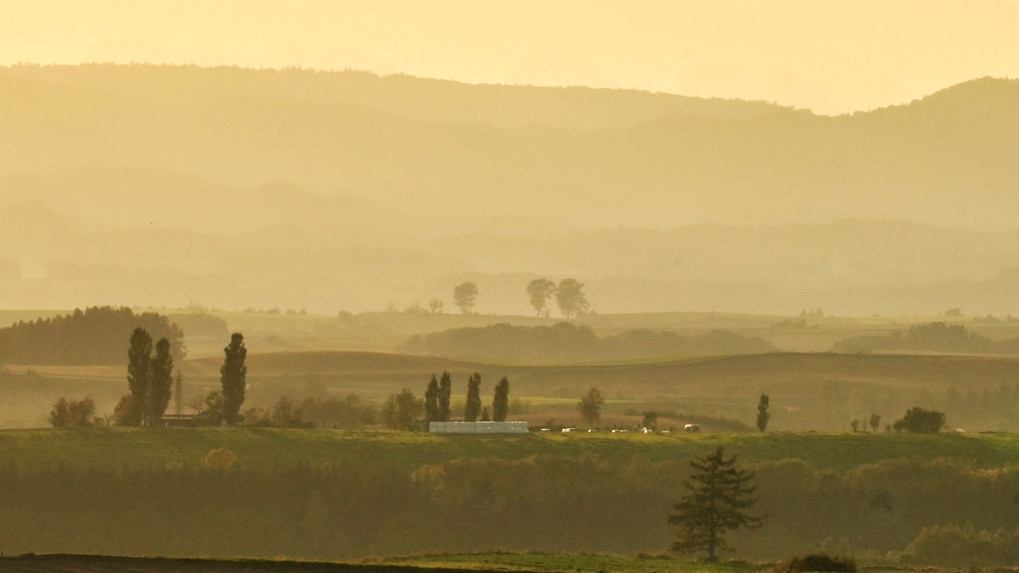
335	496
109	564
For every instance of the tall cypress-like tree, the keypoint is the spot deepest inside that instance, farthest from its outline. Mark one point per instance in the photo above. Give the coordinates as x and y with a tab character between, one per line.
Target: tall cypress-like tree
233	376
719	496
445	393
473	407
432	401
160	382
763	416
500	403
139	354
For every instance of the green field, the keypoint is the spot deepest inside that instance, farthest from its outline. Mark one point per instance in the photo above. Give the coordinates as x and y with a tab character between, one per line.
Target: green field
262	449
340	495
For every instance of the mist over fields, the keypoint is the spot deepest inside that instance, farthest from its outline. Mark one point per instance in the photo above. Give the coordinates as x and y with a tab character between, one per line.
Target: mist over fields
236	188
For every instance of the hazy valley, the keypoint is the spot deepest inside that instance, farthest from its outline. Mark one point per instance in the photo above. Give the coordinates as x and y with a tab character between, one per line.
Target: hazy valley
234	188
849	269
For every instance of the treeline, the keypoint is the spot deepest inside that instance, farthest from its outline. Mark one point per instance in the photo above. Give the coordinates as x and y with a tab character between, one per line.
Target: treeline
930	337
566	342
96	335
350	413
892	512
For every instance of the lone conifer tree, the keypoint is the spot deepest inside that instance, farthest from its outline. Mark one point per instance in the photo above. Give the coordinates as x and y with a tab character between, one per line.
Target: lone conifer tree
233	377
445	393
719	496
500	403
473	407
432	401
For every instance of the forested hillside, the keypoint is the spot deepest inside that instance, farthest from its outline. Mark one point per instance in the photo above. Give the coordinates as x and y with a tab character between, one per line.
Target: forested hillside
97	335
472	149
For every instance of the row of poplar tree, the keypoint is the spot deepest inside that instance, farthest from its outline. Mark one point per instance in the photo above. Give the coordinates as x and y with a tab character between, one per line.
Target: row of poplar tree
150	380
437	397
403	410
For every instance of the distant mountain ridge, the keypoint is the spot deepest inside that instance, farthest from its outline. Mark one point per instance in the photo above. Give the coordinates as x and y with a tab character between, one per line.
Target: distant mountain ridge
504	106
346	190
591	158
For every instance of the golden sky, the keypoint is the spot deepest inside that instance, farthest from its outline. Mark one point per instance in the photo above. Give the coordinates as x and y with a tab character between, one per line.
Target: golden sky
829	56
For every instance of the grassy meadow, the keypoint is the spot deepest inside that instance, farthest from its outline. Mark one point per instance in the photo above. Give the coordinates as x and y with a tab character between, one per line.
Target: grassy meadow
263	449
542	501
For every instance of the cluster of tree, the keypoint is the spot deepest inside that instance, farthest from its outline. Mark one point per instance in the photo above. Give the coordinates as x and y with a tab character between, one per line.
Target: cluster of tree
930	337
92	336
348	414
149	379
73	413
403	410
567	342
569	296
920	421
874	422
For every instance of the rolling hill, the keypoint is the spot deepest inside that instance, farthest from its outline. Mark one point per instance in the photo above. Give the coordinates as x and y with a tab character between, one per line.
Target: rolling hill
809	391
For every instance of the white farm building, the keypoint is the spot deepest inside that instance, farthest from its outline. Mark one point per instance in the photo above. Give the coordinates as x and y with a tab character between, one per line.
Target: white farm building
477	427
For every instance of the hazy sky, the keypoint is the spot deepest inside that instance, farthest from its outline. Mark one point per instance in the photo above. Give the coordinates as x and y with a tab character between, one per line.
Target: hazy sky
829	56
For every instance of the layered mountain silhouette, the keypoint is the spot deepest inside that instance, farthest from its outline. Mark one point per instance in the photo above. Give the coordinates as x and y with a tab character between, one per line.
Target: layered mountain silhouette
349	190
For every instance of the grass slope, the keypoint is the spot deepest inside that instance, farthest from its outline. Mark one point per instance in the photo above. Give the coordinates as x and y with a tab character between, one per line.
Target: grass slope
725	386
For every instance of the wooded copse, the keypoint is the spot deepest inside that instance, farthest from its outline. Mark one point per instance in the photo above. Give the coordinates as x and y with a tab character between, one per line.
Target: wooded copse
95	335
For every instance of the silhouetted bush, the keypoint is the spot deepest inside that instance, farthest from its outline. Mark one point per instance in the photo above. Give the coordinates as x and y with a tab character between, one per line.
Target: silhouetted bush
815	562
73	413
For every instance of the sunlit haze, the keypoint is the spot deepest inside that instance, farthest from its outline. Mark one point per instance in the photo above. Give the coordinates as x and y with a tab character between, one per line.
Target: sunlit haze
830	57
